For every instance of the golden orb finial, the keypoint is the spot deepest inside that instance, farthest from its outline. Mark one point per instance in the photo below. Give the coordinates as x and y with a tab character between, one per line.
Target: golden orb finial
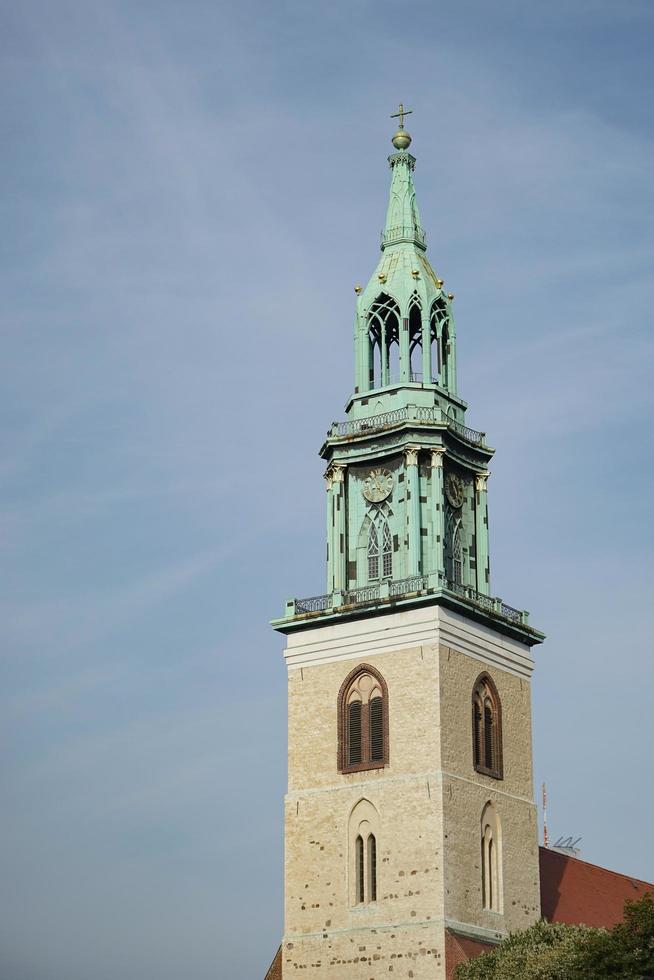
402	139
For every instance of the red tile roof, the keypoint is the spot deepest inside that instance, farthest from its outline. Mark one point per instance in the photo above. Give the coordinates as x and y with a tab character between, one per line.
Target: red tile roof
275	968
577	892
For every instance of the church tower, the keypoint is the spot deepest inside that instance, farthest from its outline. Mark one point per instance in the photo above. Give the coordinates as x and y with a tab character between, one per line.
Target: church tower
410	824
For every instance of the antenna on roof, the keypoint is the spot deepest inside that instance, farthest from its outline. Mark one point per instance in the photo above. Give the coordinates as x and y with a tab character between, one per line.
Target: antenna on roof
546	836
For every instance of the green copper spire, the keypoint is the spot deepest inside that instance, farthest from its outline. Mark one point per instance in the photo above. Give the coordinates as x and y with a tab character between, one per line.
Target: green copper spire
406	477
402	218
405	327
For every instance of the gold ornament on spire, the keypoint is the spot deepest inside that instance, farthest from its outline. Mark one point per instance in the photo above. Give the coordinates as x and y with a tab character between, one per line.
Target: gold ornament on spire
401	140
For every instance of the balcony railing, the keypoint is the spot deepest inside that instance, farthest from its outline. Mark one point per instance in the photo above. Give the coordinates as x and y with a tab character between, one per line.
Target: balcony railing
384	591
430	415
402	233
487	602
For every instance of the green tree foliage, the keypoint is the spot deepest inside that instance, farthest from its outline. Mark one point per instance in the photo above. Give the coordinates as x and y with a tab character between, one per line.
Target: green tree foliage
554	951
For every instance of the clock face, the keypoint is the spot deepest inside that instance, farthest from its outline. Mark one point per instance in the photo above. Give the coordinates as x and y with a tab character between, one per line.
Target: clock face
454	489
377	485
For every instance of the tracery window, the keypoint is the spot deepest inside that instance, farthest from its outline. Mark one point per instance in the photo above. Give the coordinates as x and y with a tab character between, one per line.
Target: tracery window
373	553
362	721
380	558
491	859
387	552
457	555
383	333
487	728
363	837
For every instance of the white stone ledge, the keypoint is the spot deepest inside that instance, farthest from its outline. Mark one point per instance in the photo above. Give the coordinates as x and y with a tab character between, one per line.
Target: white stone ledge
418	627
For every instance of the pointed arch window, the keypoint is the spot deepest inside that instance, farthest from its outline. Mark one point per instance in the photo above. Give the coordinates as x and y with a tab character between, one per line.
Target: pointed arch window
363	833
487	728
362	721
383	332
387	552
415	340
380	551
491	860
373	553
457	555
438	321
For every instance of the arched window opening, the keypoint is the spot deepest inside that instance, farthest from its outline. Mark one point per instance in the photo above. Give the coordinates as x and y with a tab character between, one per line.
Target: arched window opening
380	553
372	868
375	364
376	710
453	546
387	552
360	881
373	554
363	835
354	733
437	324
445	356
457	555
487	728
488	734
491	860
363	721
415	343
383	333
393	362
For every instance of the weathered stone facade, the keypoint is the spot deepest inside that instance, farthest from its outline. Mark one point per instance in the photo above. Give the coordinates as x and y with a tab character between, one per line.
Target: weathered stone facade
428	799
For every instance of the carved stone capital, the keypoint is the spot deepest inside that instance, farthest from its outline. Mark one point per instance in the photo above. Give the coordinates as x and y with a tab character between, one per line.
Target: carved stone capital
411	455
481	479
335	473
437	457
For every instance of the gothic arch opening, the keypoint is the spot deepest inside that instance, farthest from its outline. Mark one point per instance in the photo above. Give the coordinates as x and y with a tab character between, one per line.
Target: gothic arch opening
487	727
415	342
384	339
491	859
363	721
363	844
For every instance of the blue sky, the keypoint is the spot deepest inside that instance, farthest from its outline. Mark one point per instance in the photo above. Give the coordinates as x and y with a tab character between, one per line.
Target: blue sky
190	193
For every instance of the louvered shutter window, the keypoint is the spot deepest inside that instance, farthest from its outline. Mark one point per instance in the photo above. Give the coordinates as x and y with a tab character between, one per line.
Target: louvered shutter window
487	728
488	735
359	869
478	727
354	734
376	724
363	721
372	868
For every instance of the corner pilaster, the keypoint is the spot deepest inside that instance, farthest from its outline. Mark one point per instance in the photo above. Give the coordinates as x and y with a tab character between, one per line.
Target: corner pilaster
335	486
413	508
436	549
481	533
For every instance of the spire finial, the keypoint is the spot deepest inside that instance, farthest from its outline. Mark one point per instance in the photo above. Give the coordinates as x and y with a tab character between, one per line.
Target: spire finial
401	140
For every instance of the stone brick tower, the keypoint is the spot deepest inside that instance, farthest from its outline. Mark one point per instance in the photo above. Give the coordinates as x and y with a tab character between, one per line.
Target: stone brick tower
409	816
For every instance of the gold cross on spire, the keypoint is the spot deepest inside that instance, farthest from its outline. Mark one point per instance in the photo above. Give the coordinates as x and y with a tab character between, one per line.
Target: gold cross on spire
401	114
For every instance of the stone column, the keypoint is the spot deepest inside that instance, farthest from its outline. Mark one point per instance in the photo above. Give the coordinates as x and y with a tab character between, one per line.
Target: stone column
436	505
481	532
413	508
337	544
